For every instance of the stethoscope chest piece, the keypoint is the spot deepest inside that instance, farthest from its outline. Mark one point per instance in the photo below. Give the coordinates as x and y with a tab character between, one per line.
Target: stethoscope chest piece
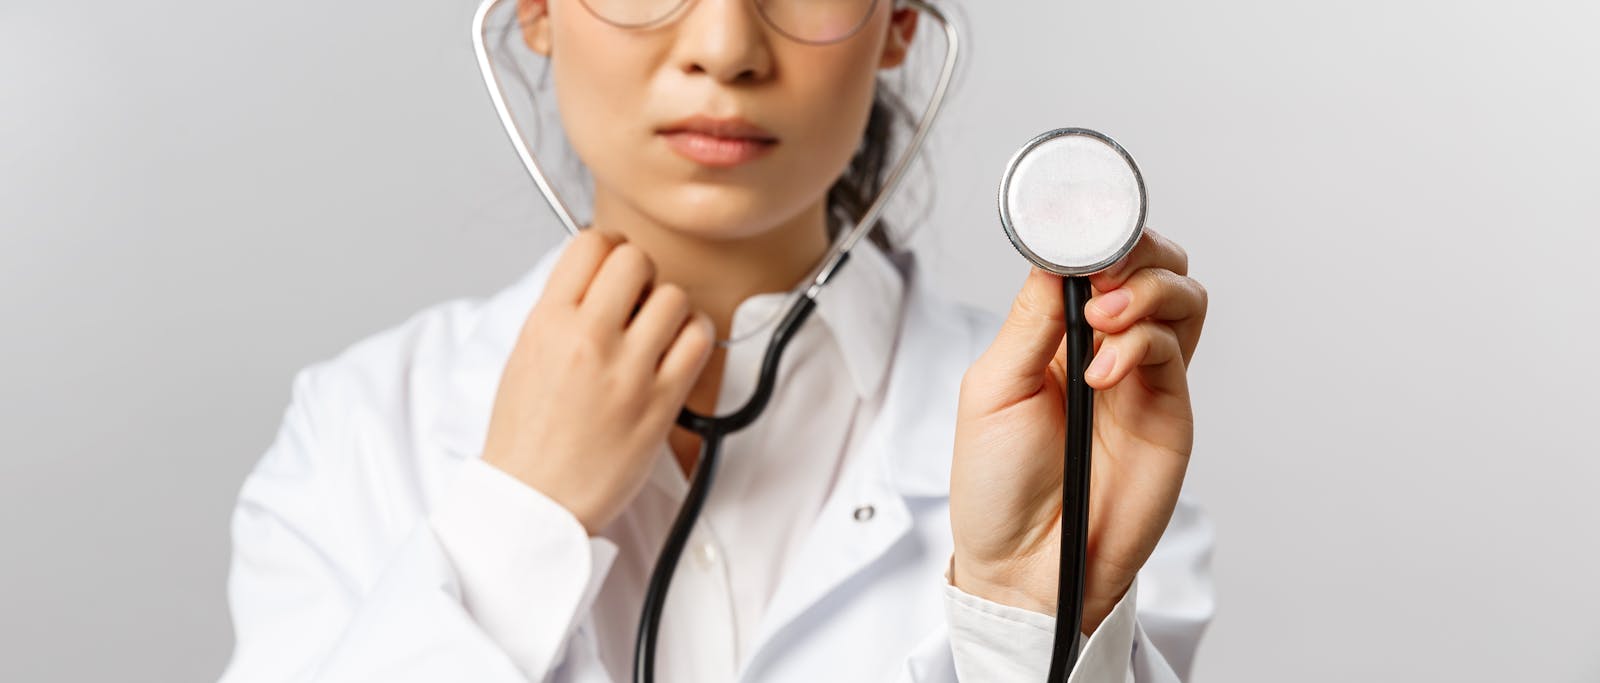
1072	201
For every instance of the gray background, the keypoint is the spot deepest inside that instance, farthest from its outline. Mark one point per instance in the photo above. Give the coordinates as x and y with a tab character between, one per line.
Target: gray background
1391	203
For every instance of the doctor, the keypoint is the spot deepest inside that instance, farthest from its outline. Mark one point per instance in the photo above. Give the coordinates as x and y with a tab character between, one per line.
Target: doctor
479	493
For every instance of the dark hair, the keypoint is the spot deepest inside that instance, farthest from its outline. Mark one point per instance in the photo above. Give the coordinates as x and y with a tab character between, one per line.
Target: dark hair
851	194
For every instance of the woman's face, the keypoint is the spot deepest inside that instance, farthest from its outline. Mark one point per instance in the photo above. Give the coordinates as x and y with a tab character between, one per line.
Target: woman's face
624	95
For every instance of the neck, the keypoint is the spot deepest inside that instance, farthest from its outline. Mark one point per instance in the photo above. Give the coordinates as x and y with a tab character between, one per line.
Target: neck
718	272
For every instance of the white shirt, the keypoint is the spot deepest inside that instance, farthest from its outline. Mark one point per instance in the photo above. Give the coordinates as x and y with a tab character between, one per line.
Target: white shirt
364	552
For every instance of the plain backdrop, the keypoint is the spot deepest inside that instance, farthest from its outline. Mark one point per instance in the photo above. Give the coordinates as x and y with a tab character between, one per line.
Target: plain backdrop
1391	203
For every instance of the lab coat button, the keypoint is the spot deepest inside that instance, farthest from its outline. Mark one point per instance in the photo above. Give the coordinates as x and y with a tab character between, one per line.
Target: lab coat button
863	513
705	555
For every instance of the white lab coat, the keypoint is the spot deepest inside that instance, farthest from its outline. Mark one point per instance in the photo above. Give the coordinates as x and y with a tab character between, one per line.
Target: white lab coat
338	575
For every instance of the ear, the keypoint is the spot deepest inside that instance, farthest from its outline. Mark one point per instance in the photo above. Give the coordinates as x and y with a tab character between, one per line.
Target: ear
902	28
533	16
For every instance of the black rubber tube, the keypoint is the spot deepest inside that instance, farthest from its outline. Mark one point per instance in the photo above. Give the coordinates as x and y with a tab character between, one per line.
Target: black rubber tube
711	430
655	597
1074	481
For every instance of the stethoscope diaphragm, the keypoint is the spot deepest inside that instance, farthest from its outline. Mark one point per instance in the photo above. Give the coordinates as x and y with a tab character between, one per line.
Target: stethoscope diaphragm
1072	201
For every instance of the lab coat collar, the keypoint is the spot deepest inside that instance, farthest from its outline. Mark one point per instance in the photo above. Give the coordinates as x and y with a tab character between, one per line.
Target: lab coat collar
905	455
861	307
916	419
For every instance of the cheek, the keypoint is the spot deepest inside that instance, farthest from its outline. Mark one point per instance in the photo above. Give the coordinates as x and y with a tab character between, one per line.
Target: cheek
832	101
595	89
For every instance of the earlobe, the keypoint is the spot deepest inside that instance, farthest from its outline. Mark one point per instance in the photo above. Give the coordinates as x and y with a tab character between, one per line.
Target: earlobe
902	29
533	16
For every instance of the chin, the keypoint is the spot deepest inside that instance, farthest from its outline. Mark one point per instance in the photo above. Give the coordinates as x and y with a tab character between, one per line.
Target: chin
722	212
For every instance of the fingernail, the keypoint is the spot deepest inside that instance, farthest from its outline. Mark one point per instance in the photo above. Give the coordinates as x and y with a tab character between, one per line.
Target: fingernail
1112	303
1103	362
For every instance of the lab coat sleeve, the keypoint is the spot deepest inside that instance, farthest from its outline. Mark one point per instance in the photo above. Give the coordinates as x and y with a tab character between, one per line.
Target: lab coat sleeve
990	641
528	569
1149	638
488	586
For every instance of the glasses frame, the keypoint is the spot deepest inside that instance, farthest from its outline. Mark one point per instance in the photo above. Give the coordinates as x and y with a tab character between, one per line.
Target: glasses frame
672	15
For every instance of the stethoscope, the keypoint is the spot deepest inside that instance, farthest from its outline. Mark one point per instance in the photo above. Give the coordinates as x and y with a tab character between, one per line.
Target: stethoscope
1073	203
1022	223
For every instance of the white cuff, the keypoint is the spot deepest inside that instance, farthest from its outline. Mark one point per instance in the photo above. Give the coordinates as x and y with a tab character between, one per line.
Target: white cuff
990	641
528	569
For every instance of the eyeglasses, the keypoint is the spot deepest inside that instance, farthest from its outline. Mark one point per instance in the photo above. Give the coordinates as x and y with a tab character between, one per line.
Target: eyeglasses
815	22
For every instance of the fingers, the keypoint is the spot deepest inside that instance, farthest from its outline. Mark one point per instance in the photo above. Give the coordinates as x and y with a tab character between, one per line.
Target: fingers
570	277
1150	283
1154	250
1148	347
658	322
617	287
687	356
1150	293
1028	338
663	334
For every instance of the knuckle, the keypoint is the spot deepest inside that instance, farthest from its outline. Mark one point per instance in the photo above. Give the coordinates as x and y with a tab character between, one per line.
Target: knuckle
590	241
697	334
1180	256
672	296
1144	286
592	334
633	258
971	385
636	384
1144	332
1158	337
626	388
1144	279
1027	309
976	380
1160	285
969	378
583	351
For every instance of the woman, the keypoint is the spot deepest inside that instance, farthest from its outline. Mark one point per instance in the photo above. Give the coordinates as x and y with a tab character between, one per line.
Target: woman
479	493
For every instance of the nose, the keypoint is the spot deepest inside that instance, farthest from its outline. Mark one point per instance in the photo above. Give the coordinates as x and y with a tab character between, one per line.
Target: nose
726	40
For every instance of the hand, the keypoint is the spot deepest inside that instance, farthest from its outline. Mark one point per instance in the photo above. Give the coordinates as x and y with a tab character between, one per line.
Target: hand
589	392
1005	488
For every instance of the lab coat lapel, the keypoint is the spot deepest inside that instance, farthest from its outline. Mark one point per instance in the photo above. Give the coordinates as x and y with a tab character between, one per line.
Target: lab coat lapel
905	454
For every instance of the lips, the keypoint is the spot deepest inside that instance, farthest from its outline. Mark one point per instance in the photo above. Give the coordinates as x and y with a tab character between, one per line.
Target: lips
717	142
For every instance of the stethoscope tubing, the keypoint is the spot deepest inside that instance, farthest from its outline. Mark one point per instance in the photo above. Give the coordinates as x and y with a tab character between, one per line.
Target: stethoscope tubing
1079	398
711	430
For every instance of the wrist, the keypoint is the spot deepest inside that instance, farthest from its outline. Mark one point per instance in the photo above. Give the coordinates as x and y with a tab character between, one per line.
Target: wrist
1096	611
1028	587
1001	585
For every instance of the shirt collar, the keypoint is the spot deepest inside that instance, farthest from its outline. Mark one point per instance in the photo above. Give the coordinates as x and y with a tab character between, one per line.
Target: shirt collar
860	309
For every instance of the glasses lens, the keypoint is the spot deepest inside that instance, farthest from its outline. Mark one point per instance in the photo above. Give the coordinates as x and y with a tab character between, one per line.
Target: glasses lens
817	21
630	13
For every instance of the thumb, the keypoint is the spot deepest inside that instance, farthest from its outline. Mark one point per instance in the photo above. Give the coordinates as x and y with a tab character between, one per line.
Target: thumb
1029	338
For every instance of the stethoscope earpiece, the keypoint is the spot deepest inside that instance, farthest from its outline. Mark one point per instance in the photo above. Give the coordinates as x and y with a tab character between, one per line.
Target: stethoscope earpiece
1072	201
